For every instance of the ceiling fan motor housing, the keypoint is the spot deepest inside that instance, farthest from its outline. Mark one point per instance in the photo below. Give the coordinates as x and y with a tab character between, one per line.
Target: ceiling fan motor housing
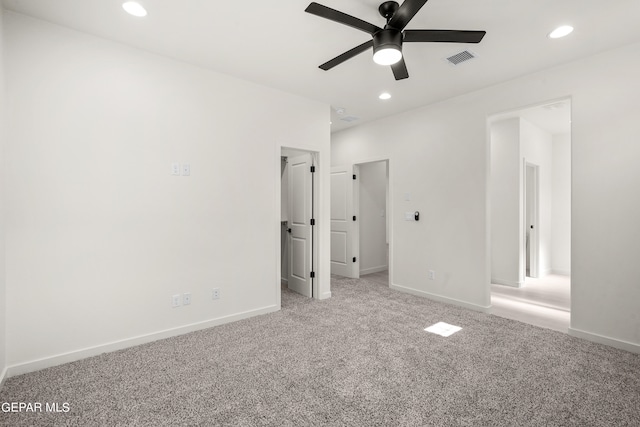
387	38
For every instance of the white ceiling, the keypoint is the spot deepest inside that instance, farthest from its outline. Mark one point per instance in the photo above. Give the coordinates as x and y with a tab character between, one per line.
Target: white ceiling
277	44
553	116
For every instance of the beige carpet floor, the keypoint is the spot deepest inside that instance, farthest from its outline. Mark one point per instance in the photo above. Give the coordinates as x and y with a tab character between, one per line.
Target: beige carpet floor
361	358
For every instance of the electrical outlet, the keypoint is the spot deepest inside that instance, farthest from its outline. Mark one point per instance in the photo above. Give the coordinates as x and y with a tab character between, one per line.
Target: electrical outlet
215	294
175	301
175	168
432	275
186	299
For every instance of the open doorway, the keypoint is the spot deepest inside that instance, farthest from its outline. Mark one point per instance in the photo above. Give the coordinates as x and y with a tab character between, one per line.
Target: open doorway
531	228
531	214
360	221
298	235
372	201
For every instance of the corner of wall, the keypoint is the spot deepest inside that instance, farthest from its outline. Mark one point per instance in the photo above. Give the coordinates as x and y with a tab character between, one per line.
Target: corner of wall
600	339
3	299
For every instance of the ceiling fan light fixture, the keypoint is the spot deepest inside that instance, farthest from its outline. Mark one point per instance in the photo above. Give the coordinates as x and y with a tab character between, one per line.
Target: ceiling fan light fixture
134	8
387	47
387	56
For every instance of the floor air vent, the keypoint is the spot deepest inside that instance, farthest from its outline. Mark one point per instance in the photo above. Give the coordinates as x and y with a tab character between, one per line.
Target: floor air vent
463	56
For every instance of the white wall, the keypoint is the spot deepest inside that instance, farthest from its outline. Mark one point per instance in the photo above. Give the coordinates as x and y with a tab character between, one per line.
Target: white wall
3	301
536	148
373	229
561	205
99	233
443	167
440	154
606	202
506	203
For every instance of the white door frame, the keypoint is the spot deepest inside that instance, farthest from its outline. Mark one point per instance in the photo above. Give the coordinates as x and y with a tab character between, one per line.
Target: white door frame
355	237
534	233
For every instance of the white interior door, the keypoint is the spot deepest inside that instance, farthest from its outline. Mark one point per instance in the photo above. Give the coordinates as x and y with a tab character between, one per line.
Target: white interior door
300	247
342	221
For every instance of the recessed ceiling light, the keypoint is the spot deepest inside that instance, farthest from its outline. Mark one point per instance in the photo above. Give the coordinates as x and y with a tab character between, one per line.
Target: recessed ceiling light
384	95
562	31
134	8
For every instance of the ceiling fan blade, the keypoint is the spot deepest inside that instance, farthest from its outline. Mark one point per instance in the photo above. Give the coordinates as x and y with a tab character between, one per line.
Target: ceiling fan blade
337	16
404	14
347	55
445	36
400	70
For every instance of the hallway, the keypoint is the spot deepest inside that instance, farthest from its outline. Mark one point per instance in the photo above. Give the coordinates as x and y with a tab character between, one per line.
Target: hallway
543	302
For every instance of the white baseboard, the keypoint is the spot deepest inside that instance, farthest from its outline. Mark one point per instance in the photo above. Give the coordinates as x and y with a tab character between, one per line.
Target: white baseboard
503	282
440	298
612	342
374	270
325	295
3	377
72	356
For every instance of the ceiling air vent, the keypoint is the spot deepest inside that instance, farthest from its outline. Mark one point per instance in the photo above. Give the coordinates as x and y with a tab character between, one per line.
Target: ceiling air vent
554	106
349	119
463	56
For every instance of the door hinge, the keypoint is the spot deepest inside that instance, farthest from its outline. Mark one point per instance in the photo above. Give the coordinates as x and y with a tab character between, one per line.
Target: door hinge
313	274
313	221
354	176
354	217
354	259
313	168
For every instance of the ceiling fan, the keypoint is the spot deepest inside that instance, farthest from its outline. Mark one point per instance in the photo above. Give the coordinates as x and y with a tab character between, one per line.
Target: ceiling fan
387	41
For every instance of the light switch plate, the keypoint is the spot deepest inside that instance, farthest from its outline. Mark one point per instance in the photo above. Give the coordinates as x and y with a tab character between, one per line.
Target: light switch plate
186	169
175	301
